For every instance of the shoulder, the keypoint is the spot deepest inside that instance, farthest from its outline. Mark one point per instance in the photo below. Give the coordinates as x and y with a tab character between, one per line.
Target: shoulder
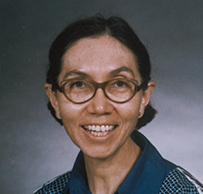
54	186
180	181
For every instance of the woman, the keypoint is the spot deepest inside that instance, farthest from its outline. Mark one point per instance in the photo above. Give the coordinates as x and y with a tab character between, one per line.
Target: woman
99	88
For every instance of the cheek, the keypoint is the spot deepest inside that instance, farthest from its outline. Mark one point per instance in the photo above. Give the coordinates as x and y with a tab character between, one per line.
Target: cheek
71	117
70	114
129	112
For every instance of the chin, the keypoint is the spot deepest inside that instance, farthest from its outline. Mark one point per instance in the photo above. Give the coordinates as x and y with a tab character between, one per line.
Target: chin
99	153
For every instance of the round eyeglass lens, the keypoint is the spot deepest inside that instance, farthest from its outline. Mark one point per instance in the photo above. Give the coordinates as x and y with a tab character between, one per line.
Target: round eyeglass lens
120	90
79	90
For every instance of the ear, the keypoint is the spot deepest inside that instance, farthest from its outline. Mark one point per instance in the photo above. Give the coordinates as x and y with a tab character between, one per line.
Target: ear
146	97
53	99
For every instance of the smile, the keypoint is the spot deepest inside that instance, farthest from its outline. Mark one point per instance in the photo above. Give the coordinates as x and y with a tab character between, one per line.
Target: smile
98	130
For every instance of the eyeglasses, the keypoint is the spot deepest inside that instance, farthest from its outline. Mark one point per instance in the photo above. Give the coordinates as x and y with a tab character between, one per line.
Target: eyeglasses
81	90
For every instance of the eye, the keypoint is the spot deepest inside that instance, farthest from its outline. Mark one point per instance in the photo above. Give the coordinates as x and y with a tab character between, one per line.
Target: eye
77	84
120	83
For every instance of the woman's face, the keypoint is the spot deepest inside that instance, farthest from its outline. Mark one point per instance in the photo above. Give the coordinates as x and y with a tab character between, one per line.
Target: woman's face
101	59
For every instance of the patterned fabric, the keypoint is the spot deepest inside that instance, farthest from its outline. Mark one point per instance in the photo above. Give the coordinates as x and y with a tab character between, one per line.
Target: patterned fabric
176	182
54	186
192	179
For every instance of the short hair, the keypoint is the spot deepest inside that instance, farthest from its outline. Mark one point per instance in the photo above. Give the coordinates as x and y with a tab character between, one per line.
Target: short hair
96	26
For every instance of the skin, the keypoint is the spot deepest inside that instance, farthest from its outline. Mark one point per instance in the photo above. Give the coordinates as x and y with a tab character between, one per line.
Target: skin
109	158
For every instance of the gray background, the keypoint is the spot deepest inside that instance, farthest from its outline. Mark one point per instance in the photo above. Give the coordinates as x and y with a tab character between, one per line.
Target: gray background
34	148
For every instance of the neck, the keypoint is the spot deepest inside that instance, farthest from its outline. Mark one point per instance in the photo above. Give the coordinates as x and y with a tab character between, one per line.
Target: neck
106	174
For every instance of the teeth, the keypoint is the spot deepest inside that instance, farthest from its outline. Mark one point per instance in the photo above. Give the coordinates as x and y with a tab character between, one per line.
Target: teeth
99	130
98	133
103	128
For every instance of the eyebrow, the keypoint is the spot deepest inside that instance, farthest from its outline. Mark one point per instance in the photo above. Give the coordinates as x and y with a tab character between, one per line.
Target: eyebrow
112	73
121	69
76	72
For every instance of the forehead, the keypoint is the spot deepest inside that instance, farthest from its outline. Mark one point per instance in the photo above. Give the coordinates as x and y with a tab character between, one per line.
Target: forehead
98	56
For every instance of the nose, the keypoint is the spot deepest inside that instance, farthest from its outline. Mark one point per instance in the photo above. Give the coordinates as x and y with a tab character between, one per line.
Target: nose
100	104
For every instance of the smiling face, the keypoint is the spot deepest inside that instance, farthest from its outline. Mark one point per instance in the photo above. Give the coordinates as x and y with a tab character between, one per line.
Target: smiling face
99	127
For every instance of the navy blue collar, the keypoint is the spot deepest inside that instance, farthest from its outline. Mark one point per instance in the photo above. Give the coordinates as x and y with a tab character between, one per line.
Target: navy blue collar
146	176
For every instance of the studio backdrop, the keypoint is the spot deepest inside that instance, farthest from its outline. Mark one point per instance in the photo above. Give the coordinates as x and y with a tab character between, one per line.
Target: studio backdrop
34	147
